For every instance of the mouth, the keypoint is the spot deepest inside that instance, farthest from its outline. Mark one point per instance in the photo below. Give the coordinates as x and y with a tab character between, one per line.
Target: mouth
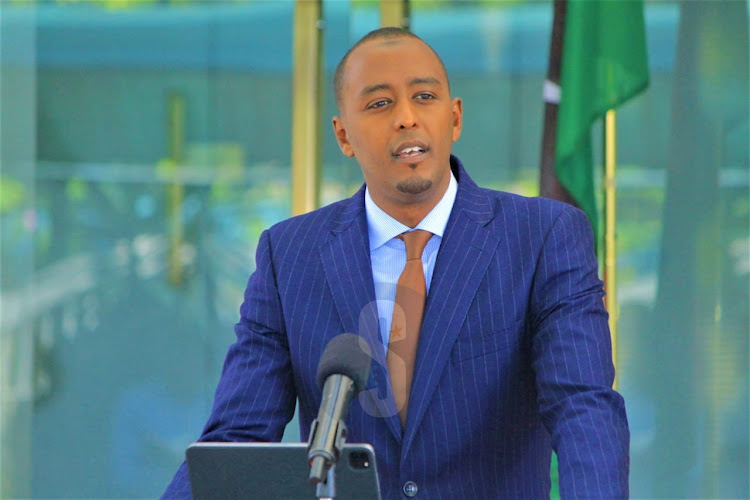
410	151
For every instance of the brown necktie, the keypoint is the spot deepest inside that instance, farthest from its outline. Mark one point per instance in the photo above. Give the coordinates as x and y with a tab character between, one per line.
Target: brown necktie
411	292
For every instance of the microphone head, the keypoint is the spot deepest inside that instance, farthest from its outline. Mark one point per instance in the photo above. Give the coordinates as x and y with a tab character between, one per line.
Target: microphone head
345	355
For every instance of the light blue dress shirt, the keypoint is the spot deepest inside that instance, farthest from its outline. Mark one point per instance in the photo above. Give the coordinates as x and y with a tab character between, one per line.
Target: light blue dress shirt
388	253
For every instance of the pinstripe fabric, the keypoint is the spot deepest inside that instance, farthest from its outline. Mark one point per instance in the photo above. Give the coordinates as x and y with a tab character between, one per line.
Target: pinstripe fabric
514	355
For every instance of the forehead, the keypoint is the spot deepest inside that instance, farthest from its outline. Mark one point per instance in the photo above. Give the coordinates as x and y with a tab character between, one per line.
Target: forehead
390	61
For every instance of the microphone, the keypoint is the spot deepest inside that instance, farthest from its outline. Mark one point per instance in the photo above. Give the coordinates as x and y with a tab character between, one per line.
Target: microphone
342	373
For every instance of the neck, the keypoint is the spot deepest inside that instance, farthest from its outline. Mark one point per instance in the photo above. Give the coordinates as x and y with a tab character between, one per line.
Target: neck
412	212
411	215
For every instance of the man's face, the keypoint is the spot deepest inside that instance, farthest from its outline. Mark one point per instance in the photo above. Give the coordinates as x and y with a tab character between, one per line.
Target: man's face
399	121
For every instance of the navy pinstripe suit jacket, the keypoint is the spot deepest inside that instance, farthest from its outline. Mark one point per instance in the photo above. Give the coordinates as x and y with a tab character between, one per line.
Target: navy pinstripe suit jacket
514	355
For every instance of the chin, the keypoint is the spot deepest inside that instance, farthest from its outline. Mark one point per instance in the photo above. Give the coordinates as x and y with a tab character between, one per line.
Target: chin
414	186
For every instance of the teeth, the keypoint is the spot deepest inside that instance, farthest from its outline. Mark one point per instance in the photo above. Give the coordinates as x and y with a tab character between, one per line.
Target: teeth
411	151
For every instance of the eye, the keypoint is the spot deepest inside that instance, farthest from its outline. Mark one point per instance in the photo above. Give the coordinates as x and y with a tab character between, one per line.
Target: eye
424	96
377	104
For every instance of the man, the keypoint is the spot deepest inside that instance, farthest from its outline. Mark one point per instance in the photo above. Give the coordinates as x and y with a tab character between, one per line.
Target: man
513	356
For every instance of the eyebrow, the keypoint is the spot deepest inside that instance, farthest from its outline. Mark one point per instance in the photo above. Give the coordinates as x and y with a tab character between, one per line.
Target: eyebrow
371	89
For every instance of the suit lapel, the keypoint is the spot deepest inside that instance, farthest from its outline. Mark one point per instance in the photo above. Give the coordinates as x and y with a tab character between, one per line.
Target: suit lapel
465	253
346	260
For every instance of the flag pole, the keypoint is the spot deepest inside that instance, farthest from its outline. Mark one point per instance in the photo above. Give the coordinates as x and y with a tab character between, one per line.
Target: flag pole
610	241
395	13
307	105
549	184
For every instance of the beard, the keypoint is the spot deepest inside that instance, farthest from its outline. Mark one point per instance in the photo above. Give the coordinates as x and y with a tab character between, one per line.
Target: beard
414	186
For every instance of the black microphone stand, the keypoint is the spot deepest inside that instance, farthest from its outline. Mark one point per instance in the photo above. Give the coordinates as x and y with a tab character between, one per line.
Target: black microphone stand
327	438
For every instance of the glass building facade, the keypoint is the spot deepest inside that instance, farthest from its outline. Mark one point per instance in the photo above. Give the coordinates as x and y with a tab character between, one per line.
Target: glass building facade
144	145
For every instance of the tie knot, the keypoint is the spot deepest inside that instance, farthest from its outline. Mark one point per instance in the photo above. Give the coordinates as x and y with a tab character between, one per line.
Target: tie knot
415	242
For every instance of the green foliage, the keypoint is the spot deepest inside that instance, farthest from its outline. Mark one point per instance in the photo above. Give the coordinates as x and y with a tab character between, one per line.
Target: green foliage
76	189
12	194
554	493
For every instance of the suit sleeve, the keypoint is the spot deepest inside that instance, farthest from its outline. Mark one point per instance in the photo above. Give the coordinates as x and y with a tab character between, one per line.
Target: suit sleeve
572	360
255	397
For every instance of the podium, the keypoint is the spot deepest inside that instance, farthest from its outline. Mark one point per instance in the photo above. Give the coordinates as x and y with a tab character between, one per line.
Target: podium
234	471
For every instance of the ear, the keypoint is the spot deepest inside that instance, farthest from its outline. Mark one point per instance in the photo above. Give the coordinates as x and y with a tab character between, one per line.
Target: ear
458	118
341	137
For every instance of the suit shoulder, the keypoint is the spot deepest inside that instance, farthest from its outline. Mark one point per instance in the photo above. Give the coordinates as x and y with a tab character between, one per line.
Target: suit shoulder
543	210
310	227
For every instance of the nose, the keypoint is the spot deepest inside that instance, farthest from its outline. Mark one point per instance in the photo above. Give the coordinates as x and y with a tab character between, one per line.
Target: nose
406	116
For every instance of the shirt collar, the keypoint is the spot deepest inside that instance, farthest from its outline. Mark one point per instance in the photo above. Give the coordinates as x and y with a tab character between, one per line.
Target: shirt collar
382	227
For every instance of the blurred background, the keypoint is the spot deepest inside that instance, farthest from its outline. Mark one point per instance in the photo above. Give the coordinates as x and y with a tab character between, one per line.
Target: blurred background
145	144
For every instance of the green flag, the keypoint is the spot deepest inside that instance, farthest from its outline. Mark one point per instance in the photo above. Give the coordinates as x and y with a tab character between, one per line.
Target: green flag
603	65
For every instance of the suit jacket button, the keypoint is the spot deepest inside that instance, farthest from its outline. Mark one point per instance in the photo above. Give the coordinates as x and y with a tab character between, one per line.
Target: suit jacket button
410	489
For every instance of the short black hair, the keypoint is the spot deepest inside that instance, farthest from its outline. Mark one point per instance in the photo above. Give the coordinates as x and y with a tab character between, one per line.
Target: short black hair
380	33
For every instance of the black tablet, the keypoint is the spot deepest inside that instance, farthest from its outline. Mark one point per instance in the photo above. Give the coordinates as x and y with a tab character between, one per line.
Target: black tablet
275	470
